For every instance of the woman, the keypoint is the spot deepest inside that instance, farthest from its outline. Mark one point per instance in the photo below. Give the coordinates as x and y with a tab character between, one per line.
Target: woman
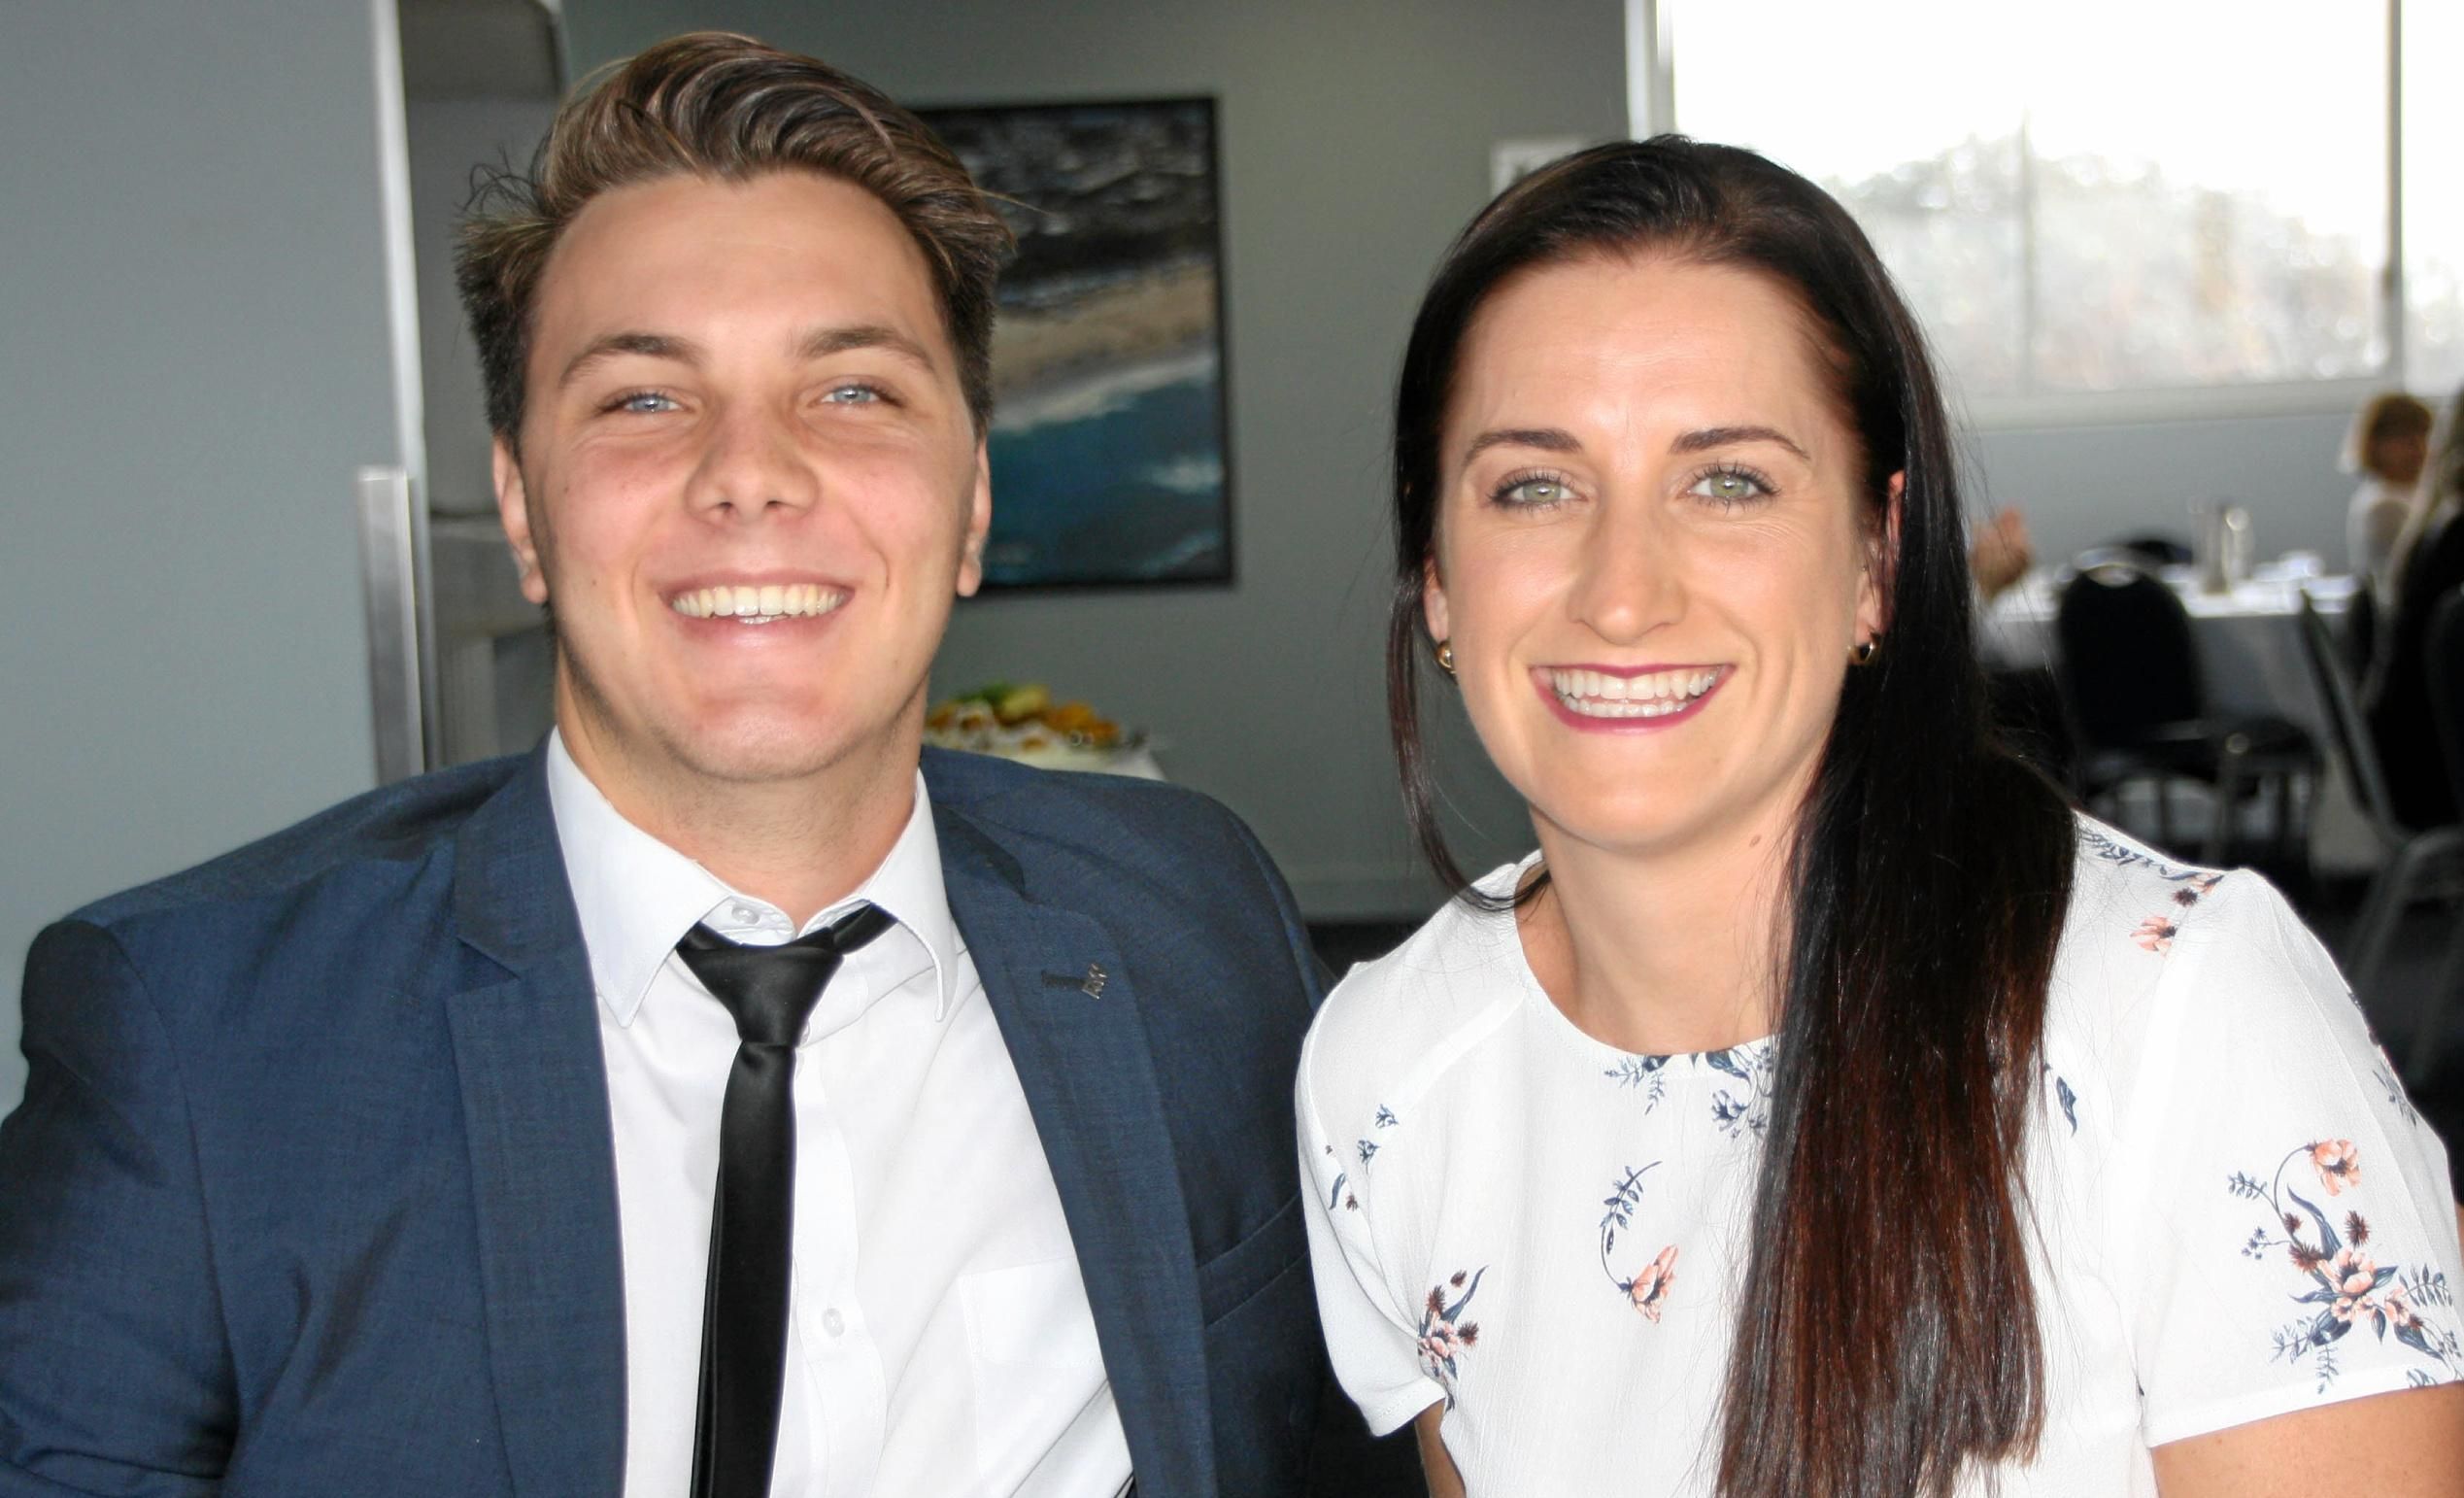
1823	1109
2389	441
2427	565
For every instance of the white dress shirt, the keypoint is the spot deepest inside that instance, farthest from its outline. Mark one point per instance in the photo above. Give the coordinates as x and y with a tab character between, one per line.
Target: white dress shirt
938	1339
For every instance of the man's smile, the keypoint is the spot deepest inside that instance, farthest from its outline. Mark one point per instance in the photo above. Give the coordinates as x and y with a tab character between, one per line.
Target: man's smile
758	603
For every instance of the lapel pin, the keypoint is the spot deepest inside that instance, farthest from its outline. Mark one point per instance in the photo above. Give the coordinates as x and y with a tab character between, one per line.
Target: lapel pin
1091	985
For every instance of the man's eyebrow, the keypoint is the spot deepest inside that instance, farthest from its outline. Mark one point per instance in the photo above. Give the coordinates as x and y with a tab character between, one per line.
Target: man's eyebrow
1730	436
608	346
1548	439
822	341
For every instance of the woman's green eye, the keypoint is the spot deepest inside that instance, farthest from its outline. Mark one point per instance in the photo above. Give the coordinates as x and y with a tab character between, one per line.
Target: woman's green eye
1533	492
1728	485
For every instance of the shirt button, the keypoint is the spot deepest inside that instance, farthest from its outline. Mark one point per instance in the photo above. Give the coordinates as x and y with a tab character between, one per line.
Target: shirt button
832	1322
744	914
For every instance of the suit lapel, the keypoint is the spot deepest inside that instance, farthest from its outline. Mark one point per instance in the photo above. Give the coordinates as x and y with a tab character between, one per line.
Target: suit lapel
1066	1011
543	1173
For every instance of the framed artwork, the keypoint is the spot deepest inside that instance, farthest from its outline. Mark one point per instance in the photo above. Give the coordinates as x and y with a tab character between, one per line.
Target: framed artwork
1109	445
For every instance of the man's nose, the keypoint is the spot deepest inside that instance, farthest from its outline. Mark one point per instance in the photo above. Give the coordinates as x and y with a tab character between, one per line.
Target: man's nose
755	461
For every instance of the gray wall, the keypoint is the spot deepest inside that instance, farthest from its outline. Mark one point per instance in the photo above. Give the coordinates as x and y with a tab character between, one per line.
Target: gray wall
2080	486
449	140
1354	142
192	359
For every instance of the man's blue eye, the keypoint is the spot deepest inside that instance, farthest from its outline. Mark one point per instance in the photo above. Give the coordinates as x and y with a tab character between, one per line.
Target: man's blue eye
645	402
852	394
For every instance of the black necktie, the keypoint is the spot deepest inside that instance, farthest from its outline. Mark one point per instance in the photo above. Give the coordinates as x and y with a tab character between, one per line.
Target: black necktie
771	991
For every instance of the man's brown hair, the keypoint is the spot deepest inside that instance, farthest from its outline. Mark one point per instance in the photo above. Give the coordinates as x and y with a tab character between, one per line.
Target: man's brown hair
725	107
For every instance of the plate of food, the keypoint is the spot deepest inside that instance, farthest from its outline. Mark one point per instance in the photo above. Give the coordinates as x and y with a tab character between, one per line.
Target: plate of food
1020	721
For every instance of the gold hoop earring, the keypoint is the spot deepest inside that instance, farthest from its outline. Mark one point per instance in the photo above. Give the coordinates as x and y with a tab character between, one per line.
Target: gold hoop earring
1863	654
1447	657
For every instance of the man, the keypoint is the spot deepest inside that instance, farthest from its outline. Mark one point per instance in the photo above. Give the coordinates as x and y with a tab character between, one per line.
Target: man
467	1139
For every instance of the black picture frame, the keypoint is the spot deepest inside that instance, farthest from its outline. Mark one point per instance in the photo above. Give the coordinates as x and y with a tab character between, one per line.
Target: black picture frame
1111	438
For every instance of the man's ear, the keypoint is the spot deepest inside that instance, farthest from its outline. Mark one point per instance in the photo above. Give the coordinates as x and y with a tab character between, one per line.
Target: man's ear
1881	564
979	522
1432	603
513	507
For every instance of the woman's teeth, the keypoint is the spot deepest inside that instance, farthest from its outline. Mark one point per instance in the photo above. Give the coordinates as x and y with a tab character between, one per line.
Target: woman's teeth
758	605
1598	694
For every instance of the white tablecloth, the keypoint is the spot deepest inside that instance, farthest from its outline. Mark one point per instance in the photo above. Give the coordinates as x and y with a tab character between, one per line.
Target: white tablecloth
2251	662
2248	641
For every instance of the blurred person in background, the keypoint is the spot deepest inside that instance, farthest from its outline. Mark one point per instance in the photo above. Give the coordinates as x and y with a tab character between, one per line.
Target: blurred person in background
2387	446
2000	554
2426	564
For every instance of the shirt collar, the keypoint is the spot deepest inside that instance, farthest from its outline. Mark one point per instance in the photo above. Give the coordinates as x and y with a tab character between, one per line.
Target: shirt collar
637	897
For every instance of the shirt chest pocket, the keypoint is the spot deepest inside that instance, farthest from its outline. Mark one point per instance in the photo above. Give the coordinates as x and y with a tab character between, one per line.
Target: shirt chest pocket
1029	1315
1031	1356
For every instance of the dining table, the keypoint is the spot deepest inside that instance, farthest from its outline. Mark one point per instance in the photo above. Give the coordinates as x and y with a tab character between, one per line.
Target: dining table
2252	664
2248	635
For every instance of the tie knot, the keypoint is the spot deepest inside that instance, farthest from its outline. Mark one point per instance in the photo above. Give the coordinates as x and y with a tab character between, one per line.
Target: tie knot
771	990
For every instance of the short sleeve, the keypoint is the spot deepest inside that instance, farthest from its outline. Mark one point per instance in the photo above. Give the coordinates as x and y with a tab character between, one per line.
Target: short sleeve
1372	1343
2284	1231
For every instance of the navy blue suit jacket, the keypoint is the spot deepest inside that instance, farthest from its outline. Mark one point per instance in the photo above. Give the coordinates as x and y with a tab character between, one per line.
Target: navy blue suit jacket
313	1191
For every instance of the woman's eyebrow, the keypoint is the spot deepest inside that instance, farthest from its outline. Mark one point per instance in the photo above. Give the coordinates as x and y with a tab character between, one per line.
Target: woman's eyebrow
1550	439
1729	436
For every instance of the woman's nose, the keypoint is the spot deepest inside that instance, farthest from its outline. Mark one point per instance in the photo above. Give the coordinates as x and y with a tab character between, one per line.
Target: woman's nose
1627	583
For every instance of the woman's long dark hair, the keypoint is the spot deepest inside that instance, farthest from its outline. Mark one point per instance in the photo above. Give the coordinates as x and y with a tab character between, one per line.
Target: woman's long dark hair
1887	1331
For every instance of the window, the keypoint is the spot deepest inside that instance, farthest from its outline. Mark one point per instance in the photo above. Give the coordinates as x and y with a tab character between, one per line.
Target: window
2112	205
2433	198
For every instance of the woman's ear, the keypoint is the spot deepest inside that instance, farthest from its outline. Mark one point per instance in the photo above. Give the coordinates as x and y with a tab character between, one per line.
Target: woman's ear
1881	564
1432	602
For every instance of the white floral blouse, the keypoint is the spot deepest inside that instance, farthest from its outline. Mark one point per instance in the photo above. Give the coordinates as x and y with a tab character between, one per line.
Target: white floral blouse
2240	1215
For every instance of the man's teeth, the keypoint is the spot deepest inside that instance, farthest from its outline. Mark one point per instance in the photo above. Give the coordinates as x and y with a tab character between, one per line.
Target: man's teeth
1598	694
758	605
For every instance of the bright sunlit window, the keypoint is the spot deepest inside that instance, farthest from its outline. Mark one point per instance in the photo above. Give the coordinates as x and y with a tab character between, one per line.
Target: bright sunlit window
2432	197
2104	203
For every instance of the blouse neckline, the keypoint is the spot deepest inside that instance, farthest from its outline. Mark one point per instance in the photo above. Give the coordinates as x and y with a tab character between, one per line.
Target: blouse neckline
1506	933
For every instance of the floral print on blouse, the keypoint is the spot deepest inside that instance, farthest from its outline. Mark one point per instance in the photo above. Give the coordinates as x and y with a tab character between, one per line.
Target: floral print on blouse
1444	1335
2238	1214
2338	1272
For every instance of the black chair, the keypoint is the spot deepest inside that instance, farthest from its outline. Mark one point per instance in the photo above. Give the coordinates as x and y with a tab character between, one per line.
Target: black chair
2154	548
2447	717
2361	633
2414	857
2128	668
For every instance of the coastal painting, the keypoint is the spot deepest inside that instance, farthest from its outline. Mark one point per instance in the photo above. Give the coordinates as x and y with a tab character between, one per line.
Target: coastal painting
1108	444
